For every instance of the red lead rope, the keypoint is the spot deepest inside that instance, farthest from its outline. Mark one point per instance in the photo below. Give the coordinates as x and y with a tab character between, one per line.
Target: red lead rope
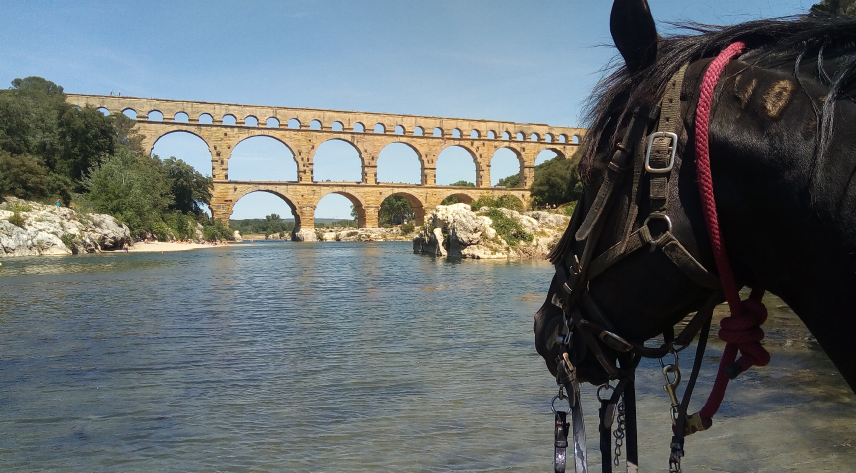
742	329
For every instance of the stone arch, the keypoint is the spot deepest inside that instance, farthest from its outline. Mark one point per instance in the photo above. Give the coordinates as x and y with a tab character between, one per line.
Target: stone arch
475	134
472	154
170	132
292	205
575	139
520	136
315	124
437	131
229	119
495	176
399	130
359	127
352	145
251	120
413	200
506	135
379	128
154	116
337	126
534	137
563	138
265	135
272	122
362	218
418	131
461	194
491	135
128	112
548	138
420	158
544	156
103	111
181	117
294	124
205	119
456	133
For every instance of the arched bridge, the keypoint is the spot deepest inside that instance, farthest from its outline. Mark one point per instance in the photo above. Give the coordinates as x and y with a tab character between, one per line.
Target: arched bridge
302	130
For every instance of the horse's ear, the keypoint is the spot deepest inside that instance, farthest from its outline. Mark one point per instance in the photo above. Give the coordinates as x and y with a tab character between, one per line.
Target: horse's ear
634	33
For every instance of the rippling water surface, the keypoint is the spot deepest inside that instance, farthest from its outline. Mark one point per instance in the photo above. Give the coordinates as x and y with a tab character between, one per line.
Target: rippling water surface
337	357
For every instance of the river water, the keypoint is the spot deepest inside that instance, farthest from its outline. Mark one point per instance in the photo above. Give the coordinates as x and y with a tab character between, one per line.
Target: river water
345	357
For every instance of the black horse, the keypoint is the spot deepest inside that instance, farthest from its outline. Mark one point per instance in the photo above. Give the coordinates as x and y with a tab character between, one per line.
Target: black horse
783	160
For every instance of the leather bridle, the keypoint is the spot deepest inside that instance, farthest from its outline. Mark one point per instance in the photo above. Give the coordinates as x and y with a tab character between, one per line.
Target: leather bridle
647	150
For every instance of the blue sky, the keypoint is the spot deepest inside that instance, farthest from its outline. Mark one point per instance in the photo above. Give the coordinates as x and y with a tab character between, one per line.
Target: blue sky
504	60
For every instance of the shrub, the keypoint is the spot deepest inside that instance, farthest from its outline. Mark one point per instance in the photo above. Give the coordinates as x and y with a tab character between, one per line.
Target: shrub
407	228
508	228
568	210
17	219
505	201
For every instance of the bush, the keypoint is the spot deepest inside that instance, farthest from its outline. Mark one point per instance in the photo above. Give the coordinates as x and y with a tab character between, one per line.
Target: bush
508	228
17	219
215	230
407	228
505	201
451	200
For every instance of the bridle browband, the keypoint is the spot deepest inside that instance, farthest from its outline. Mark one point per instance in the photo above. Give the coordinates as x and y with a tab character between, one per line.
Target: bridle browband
648	149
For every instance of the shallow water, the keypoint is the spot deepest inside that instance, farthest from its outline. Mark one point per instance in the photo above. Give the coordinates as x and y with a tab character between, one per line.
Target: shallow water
344	356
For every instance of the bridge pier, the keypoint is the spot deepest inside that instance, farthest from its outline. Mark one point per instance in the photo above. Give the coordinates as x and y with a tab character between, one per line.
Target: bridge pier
371	216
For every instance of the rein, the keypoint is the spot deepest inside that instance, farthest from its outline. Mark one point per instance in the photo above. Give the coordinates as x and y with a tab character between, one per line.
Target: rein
581	319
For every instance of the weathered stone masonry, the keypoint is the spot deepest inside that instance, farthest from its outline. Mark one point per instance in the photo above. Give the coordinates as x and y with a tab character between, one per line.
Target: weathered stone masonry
481	138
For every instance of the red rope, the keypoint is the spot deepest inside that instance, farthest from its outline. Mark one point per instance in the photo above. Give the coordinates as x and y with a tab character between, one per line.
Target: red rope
741	330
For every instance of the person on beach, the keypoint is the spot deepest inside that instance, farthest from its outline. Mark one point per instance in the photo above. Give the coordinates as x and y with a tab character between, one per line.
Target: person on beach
125	247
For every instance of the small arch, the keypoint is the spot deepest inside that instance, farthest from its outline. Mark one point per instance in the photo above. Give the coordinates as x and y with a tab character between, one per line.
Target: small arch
180	117
379	128
229	119
399	213
520	136
575	139
130	113
491	135
315	125
506	135
418	131
272	122
534	137
563	138
155	116
359	127
475	134
456	133
206	119
294	124
399	130
103	111
548	138
251	121
337	126
438	131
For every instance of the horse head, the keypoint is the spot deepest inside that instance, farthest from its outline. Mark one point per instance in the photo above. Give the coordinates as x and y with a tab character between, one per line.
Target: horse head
636	257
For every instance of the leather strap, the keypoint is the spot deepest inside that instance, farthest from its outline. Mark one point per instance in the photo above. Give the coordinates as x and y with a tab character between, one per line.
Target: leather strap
661	147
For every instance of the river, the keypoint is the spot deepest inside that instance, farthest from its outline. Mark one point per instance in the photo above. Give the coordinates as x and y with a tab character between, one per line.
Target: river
345	357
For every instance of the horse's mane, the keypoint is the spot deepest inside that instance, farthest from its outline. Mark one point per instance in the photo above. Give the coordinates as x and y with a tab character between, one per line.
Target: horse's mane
770	43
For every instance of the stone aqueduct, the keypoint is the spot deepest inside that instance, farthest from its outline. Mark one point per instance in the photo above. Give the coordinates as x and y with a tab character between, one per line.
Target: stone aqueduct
302	130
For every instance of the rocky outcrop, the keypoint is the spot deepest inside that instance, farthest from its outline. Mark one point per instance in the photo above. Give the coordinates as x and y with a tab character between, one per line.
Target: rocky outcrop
304	234
457	231
32	229
236	236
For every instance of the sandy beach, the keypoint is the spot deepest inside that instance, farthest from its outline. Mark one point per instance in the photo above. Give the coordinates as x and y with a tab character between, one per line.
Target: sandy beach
153	247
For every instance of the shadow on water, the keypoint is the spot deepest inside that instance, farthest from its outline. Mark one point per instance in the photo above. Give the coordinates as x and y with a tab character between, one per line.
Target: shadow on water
351	356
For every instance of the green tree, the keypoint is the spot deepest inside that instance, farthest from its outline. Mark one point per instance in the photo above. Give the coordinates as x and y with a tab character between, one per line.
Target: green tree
463	184
451	200
556	182
189	188
394	210
512	181
132	188
834	7
41	85
23	176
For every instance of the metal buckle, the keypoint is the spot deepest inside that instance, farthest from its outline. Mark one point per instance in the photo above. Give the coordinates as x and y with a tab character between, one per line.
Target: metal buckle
674	140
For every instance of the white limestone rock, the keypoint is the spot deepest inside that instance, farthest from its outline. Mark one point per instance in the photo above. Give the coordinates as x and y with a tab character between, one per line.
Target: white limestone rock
456	231
48	230
236	236
304	234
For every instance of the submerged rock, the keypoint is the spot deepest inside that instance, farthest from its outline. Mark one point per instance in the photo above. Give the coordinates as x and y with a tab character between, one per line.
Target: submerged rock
37	229
457	231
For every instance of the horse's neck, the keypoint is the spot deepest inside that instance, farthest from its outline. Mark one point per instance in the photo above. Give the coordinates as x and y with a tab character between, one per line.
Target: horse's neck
789	220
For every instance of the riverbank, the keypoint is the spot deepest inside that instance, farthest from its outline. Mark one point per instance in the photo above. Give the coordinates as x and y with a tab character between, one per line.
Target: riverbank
164	247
